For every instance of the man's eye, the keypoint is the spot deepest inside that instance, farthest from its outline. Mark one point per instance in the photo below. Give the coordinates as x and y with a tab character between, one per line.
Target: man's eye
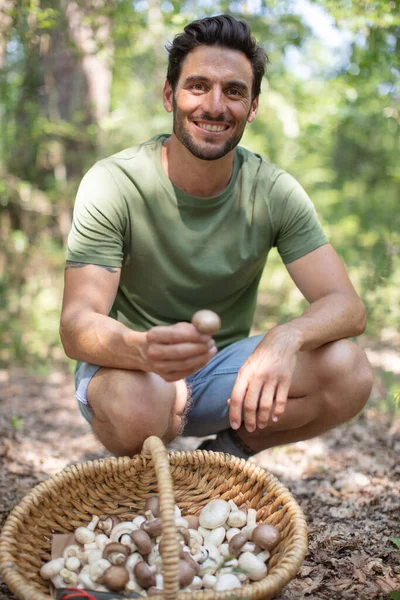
197	87
233	92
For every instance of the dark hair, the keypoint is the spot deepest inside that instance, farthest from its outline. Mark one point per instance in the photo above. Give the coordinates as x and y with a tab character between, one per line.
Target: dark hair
222	30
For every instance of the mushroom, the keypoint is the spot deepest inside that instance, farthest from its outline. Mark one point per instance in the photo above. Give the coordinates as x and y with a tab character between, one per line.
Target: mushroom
251	523
252	566
193	521
237	517
153	528
108	524
212	563
266	536
102	540
73	563
58	581
189	559
115	578
236	544
73	550
98	568
214	514
186	573
52	568
197	583
195	536
116	553
224	550
181	522
215	536
206	321
226	581
144	574
121	529
86	535
131	562
231	532
70	577
87	583
209	581
138	521
94	556
153	504
142	541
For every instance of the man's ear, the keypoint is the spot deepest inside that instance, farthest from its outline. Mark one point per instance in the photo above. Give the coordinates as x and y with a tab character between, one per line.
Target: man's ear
253	110
168	95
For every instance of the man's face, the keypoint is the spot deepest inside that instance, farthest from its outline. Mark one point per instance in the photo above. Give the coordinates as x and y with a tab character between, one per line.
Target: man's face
212	101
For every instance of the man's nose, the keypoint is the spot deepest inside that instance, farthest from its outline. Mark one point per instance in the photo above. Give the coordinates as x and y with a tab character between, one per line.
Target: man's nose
214	102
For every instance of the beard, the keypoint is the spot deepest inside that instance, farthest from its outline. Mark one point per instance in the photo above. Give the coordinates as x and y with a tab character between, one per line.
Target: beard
210	148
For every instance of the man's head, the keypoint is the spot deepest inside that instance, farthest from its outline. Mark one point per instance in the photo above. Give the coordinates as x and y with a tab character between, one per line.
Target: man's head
213	82
222	30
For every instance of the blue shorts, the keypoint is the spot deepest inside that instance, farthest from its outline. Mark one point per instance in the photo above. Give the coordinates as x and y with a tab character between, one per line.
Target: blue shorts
210	388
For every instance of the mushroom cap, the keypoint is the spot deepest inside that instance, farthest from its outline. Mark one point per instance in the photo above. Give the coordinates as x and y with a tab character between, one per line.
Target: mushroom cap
152	528
143	575
186	573
236	543
227	581
254	568
142	541
153	504
193	521
214	514
206	321
266	536
116	548
52	568
115	578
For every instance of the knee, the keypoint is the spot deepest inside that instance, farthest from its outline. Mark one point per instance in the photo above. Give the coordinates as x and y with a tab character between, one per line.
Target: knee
139	405
347	378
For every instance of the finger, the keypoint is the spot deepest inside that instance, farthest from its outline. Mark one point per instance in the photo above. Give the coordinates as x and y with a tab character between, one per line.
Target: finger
280	401
251	405
175	334
235	402
189	365
182	351
265	405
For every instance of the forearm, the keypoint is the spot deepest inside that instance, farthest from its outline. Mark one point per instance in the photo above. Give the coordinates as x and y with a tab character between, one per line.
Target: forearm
101	340
335	316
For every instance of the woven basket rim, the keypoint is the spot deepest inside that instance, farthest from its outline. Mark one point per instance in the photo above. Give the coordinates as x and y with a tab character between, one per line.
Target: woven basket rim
275	580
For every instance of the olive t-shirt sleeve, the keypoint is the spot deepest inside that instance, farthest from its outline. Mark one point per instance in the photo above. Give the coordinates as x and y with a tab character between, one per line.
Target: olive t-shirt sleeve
297	228
98	226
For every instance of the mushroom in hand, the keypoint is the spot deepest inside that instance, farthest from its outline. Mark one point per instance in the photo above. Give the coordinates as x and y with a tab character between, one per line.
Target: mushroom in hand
206	321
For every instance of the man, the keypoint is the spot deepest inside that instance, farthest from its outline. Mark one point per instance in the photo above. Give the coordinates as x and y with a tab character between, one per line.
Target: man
184	222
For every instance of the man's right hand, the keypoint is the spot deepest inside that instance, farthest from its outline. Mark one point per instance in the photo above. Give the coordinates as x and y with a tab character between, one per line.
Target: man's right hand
177	351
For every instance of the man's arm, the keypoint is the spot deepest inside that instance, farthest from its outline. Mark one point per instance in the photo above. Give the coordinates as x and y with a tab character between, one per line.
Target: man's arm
89	334
335	312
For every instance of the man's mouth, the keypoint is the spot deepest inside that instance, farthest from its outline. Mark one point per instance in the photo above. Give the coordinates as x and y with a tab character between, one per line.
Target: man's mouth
212	128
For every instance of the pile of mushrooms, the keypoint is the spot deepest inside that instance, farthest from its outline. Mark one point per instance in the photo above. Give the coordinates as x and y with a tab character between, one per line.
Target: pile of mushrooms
222	548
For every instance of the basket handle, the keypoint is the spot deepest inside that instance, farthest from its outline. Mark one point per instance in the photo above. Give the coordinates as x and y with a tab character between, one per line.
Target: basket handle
154	447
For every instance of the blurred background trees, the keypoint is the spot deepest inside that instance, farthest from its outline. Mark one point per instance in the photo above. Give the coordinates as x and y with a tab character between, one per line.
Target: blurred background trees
82	80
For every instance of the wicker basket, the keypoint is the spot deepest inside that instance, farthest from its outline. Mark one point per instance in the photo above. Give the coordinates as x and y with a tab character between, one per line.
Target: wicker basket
121	486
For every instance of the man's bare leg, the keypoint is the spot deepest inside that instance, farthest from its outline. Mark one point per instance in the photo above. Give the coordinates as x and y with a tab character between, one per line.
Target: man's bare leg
330	386
129	406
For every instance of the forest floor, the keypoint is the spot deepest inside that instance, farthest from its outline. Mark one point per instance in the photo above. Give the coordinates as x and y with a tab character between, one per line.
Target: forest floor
347	481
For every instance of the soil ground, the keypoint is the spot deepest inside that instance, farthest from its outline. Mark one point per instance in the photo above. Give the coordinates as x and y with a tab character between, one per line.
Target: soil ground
347	482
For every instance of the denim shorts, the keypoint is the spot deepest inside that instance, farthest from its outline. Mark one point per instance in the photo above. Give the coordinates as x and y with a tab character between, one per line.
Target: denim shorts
210	388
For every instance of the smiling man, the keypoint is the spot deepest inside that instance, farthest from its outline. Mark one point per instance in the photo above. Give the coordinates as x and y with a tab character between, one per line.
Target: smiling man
185	221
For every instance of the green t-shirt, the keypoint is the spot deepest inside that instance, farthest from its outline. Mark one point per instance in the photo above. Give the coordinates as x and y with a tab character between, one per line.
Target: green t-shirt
180	253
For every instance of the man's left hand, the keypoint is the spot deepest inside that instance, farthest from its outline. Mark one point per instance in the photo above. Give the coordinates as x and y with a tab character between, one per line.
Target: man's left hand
262	385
